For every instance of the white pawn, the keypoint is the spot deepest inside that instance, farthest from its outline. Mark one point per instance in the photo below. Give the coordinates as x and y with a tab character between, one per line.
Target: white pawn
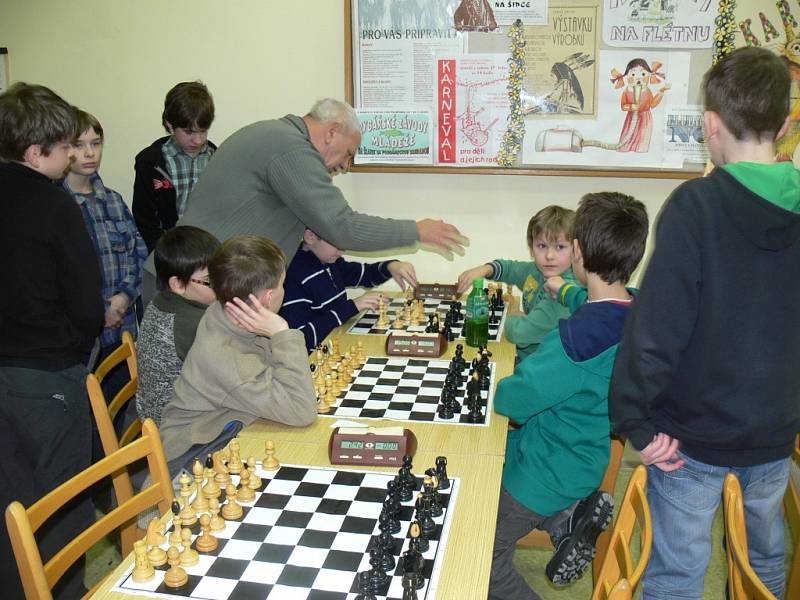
189	556
270	463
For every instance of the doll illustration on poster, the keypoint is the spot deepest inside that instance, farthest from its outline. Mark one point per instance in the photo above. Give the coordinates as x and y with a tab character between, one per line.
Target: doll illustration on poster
637	101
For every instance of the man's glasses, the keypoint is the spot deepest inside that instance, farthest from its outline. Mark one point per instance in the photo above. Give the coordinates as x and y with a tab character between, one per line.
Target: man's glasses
201	282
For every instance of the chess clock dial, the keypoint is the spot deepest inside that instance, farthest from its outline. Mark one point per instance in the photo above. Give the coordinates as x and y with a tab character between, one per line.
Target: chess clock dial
400	343
371	446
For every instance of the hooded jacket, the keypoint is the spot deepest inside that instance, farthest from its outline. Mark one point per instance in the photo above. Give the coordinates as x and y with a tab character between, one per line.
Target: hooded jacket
711	350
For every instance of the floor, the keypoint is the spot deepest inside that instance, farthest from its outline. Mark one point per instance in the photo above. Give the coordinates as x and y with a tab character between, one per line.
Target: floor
530	561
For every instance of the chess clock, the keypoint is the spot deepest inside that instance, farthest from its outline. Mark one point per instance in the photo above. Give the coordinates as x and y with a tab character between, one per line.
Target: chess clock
406	343
378	446
439	291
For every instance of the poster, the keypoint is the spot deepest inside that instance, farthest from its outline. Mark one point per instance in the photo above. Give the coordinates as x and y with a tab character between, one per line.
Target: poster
684	139
634	90
561	59
395	45
472	108
659	23
4	83
395	137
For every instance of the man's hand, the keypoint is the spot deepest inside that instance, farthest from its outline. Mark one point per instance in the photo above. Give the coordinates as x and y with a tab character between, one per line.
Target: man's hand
368	301
117	307
402	273
553	284
256	319
466	278
662	452
441	235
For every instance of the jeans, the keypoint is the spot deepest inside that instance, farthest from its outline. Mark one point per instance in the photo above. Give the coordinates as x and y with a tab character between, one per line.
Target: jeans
683	504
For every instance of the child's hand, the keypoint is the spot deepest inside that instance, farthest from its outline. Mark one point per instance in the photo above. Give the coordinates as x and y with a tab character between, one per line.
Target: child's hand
402	273
256	319
465	279
663	453
368	301
553	284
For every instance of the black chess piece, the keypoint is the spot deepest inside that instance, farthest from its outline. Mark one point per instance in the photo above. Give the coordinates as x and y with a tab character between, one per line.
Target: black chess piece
423	515
365	587
394	522
377	575
445	410
409	587
432	497
475	413
441	472
493	320
404	493
175	507
386	552
209	461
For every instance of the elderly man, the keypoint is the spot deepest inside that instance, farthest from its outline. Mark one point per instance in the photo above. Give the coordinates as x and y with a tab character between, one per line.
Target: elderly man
273	178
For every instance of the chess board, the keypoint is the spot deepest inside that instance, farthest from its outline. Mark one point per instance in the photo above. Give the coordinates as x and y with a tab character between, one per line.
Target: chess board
306	535
406	389
367	322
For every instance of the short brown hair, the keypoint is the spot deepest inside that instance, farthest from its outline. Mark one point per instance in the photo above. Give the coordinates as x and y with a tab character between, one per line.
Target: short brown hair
244	265
87	121
749	90
187	105
33	115
611	229
181	251
550	222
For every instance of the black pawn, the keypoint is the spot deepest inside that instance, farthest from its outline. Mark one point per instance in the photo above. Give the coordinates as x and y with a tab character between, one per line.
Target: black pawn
394	522
475	413
445	409
377	575
404	493
409	587
365	587
441	472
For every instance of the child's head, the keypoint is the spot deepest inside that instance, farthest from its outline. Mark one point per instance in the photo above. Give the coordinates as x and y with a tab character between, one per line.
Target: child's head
188	114
36	127
326	252
549	238
87	147
181	258
249	264
748	93
610	232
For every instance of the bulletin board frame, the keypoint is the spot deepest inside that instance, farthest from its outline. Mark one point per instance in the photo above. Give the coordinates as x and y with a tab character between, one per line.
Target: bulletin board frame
690	170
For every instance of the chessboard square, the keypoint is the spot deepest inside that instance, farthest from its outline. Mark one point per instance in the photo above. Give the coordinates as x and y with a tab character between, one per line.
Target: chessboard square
326	521
307	504
406	513
185	591
250	590
358	525
347	412
150	586
349	478
297	576
396	415
285	592
355	398
411	377
380	395
418	362
240	549
315	538
432	382
377	404
291	518
377	360
352	542
269	500
265	516
304	556
376	480
251	532
311	489
291	473
421	399
333	579
371	413
263	572
408	388
288	536
325	476
397	367
396	407
215	588
340	492
421	416
273	553
426	407
325	595
282	486
367	509
342	560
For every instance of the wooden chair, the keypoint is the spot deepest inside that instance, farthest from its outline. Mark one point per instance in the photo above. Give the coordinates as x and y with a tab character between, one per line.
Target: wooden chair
38	578
791	506
621	591
541	539
743	583
619	561
105	413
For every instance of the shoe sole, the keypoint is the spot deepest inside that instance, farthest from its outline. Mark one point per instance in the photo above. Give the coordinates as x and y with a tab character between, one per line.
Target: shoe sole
575	553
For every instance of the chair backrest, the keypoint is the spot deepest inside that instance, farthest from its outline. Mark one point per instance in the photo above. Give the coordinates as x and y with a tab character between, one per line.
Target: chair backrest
108	436
743	583
621	591
791	507
542	539
619	563
38	578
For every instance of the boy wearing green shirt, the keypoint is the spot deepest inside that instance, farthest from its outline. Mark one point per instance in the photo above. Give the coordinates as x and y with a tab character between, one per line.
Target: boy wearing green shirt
556	459
549	238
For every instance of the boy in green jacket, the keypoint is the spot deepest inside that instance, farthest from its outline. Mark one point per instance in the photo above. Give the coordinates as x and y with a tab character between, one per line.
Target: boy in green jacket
549	238
556	459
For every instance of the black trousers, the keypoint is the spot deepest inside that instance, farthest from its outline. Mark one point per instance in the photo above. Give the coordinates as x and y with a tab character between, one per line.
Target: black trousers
45	438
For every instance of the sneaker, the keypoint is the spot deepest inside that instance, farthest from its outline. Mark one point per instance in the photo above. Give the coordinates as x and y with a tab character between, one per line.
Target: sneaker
576	547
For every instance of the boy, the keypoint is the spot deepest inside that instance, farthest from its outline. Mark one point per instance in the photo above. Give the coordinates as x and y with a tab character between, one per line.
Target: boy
559	397
167	170
548	235
170	321
119	248
232	375
50	315
706	379
316	299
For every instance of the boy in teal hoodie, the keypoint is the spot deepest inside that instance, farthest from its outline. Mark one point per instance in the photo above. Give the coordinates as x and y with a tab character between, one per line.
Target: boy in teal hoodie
559	397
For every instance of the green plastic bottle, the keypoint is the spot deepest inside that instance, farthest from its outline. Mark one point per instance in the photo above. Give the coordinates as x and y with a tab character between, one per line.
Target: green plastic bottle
476	318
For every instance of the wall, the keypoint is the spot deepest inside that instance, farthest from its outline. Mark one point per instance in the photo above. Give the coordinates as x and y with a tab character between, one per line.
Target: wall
261	59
